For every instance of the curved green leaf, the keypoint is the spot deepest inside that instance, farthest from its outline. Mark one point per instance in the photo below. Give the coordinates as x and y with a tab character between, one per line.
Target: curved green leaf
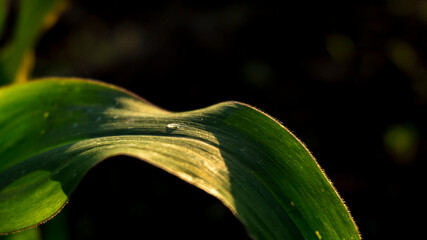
53	131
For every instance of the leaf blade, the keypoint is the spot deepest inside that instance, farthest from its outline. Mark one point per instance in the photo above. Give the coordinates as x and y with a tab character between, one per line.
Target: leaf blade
230	150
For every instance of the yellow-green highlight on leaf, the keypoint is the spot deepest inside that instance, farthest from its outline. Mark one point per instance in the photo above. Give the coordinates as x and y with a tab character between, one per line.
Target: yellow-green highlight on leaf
33	18
33	189
52	132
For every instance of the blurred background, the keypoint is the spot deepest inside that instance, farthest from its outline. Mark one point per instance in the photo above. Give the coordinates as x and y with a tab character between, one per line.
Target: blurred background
349	78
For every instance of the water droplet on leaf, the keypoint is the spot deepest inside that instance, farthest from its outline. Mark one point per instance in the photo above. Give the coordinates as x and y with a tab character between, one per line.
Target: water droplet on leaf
173	126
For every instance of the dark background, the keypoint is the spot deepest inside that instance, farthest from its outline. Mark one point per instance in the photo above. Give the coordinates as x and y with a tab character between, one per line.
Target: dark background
349	78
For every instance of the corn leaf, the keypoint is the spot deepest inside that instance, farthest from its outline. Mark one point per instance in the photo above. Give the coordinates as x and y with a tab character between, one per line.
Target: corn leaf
33	18
53	131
